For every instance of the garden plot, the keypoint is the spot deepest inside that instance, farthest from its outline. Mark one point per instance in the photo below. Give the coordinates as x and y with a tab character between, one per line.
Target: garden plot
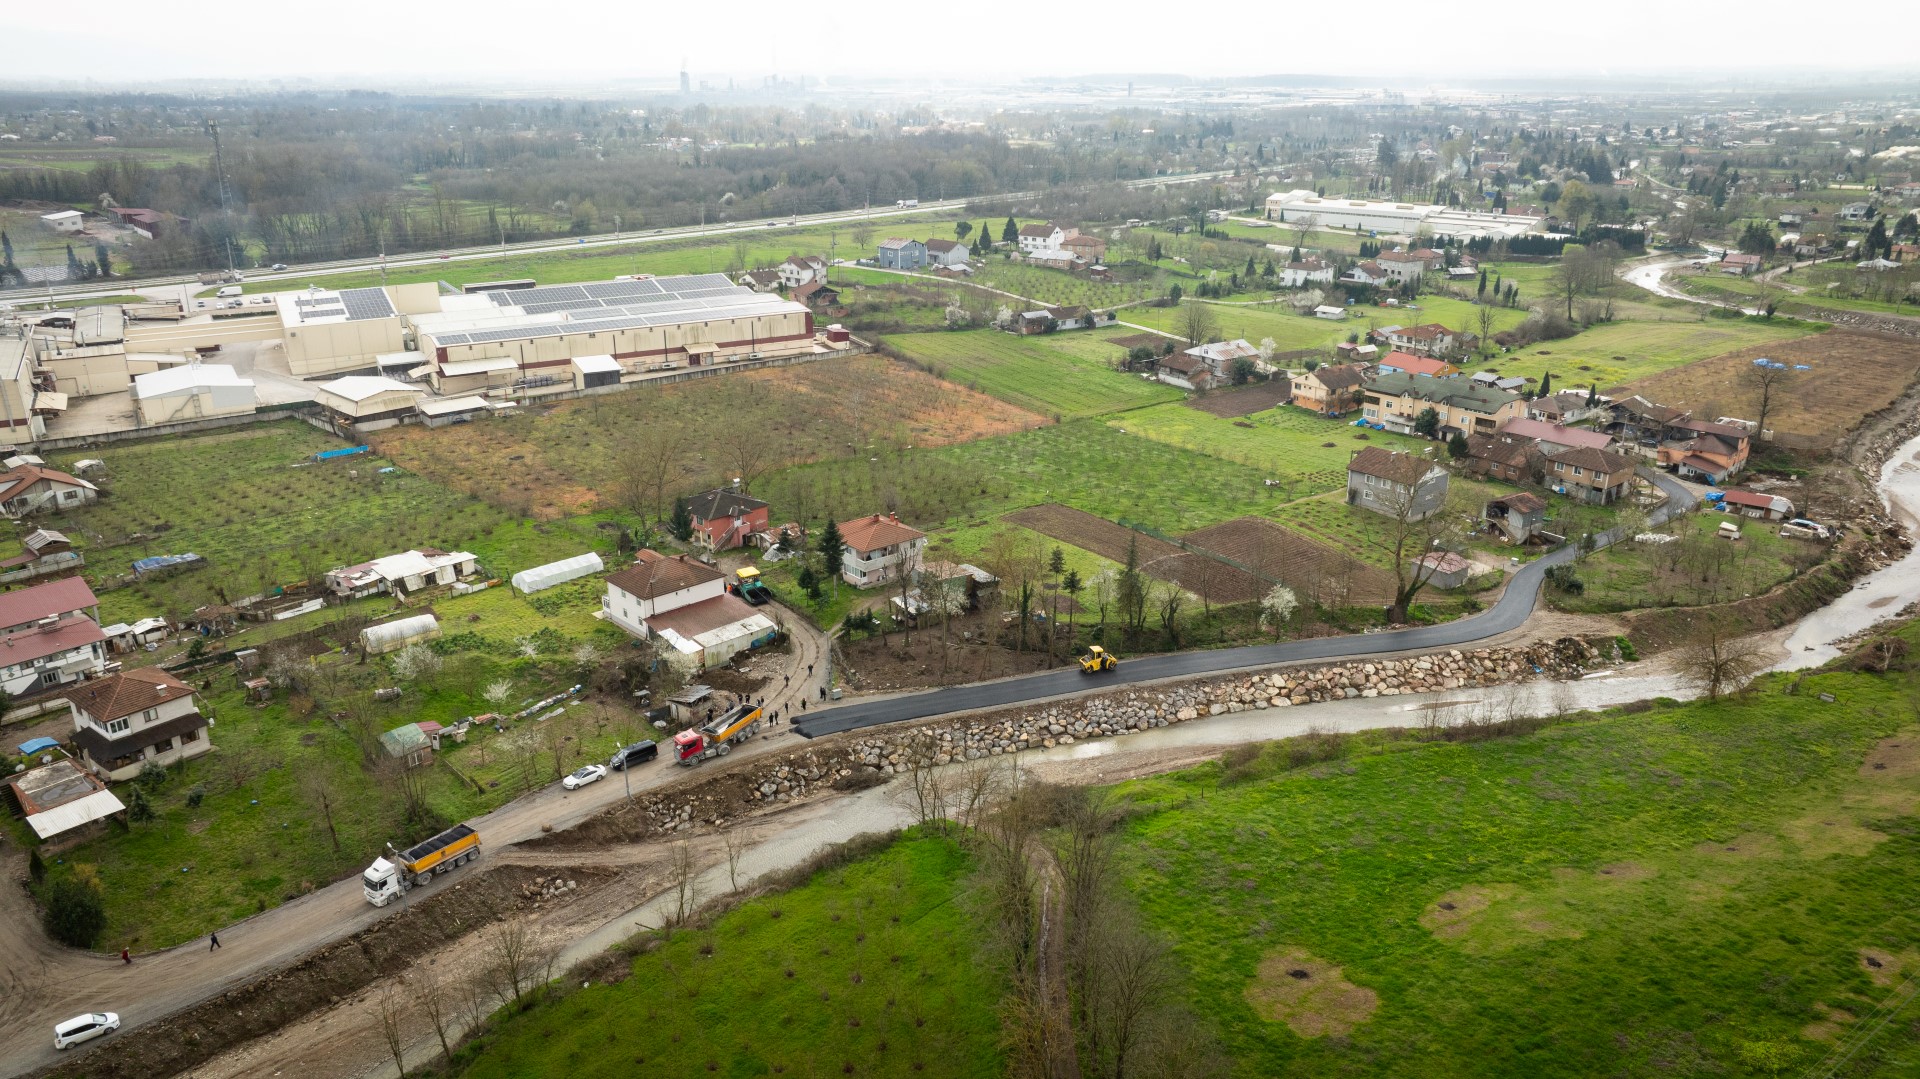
1313	569
1244	401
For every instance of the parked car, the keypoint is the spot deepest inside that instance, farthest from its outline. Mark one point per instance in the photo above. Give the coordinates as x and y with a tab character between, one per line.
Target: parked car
279	265
637	753
84	1028
592	773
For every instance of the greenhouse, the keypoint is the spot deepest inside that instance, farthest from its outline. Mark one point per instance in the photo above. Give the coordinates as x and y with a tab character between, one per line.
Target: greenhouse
393	636
553	573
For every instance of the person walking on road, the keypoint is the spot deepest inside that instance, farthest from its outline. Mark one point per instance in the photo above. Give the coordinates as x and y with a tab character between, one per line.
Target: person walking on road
809	670
215	942
786	680
126	957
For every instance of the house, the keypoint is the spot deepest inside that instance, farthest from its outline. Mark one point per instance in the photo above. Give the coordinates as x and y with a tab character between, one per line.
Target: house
1084	246
1492	380
1712	458
1567	406
817	294
47	552
1504	457
1220	356
1427	339
1043	237
723	519
1856	211
801	269
123	638
684	604
1331	389
125	722
403	573
1463	406
1443	569
1399	485
28	489
761	280
1073	317
1186	371
713	631
1401	265
878	548
1597	476
61	796
1055	258
69	221
1310	270
1406	363
1517	517
25	608
1328	311
1760	507
56	651
900	254
947	252
409	743
1553	438
1638	420
1741	264
1368	273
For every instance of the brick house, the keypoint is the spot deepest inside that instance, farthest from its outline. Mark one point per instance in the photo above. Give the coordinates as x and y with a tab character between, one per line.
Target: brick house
124	722
877	548
1597	476
1396	484
1506	457
1331	389
723	519
1090	248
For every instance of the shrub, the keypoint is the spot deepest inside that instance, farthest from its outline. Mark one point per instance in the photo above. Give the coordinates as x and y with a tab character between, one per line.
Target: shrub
76	910
1564	579
196	796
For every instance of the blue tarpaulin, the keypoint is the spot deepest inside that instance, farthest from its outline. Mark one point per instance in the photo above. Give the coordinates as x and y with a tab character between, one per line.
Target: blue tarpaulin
164	562
328	455
38	744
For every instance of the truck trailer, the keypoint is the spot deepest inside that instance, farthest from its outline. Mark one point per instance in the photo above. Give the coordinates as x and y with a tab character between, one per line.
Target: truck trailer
388	877
717	739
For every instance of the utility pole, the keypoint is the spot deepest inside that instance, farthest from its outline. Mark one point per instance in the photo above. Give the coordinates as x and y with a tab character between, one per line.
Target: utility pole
220	172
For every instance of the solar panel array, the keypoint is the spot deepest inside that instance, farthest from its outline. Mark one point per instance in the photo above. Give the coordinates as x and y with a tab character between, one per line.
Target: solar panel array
367	303
619	305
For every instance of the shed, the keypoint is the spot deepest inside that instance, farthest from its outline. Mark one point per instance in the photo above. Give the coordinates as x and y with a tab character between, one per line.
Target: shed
1329	312
395	635
1447	569
553	573
591	371
367	401
439	412
408	743
690	703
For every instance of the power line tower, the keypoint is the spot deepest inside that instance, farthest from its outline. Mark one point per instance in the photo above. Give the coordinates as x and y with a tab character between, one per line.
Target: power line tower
220	173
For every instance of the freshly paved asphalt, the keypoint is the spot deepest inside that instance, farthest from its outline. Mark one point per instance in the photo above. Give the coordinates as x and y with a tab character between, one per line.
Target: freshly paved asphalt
1515	606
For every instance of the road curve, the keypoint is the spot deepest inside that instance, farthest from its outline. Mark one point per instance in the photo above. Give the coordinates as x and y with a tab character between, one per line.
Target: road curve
1515	606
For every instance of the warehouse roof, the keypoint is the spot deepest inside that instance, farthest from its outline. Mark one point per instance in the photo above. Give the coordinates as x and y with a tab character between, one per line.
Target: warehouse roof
598	306
361	387
191	378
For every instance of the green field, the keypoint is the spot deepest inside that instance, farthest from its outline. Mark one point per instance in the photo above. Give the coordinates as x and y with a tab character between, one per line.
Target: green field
1069	375
1283	442
868	969
1614	353
1700	568
1691	890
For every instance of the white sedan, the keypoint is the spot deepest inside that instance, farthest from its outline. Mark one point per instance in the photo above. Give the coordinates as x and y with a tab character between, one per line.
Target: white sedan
592	773
84	1028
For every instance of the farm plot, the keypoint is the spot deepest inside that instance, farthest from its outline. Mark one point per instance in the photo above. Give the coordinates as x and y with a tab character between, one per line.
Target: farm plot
1615	353
1307	453
1244	401
1063	375
1096	534
1853	376
1288	330
1330	576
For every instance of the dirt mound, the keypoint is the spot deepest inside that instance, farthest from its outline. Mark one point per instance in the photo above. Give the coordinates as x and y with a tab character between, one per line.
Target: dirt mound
1310	995
1453	914
1244	401
192	1037
1084	530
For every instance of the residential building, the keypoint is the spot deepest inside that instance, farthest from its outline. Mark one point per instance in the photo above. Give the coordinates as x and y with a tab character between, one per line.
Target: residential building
801	269
878	548
47	552
128	721
817	295
403	573
1331	389
761	280
1398	485
1073	317
1401	265
1055	258
1505	457
28	489
1856	211
1517	517
1760	507
1220	356
1310	270
1043	237
1638	420
1427	339
1567	406
1368	273
1713	456
1085	246
1406	363
1596	476
724	519
53	648
1463	406
656	584
24	608
1187	371
1553	438
1741	264
947	252
901	254
1443	569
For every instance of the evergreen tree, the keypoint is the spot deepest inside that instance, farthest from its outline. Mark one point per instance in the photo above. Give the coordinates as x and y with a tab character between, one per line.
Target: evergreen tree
1483	285
103	259
1593	395
73	265
833	549
986	238
1427	423
76	910
681	524
6	248
1251	271
1457	446
1011	233
1546	384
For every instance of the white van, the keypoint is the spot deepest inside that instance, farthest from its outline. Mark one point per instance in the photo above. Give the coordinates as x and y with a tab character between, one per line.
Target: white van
228	292
84	1027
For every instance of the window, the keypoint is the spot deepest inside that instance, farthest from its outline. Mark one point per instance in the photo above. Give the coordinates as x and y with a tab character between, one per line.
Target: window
1559	466
119	726
150	715
1577	471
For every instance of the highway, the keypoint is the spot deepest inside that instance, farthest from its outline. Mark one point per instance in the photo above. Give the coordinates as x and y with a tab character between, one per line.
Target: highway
1515	606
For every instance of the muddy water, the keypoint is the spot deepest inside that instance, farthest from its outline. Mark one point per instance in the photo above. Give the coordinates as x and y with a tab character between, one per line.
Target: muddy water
1874	598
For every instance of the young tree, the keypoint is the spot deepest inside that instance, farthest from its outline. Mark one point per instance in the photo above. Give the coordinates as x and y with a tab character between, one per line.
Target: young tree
833	552
1427	423
1277	607
961	229
1168	599
392	1017
1071	585
682	523
985	240
1457	447
75	908
1130	590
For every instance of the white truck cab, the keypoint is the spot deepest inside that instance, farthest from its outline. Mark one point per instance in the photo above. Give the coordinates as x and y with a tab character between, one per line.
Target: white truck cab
381	883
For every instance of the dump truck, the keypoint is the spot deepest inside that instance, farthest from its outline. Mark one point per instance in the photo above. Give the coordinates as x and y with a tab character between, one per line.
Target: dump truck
1096	660
750	587
387	877
717	738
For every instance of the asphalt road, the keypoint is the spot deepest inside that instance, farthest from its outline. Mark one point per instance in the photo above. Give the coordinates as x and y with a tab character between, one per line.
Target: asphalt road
1515	606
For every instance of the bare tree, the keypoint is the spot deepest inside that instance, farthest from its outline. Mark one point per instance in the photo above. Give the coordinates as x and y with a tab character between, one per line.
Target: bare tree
1719	662
437	1000
924	794
736	841
748	451
510	960
1484	316
683	882
1197	323
392	1014
1303	229
553	737
1167	598
633	483
1766	380
317	782
1415	526
1132	979
657	450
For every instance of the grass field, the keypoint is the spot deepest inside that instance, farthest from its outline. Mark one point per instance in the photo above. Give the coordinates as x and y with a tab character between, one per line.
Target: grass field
1700	568
1286	442
1068	375
1705	889
1612	354
868	969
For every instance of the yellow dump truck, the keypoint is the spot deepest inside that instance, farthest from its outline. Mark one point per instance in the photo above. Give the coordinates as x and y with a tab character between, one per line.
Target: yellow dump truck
386	878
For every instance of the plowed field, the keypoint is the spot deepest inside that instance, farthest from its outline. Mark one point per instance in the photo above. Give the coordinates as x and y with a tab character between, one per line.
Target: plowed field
1309	567
1244	401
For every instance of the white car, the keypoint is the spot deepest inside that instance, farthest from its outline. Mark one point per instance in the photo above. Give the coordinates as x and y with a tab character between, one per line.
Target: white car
83	1028
592	773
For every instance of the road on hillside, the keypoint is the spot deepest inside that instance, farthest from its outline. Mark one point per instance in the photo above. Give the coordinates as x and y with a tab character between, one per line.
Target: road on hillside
1515	606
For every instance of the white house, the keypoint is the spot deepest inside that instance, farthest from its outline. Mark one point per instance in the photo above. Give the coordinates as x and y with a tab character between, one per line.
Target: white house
684	605
193	391
800	270
65	221
1306	271
878	548
1045	237
127	721
29	488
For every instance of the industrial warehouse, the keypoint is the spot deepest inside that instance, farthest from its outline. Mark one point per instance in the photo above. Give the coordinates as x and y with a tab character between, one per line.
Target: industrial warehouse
378	356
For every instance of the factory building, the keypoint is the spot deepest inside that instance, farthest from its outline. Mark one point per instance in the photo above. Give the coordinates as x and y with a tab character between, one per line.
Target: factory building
1410	218
329	332
192	391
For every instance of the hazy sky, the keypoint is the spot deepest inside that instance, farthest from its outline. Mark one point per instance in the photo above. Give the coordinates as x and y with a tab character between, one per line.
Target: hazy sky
397	41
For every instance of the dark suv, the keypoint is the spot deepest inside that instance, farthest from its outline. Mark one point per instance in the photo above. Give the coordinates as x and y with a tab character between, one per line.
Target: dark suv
637	753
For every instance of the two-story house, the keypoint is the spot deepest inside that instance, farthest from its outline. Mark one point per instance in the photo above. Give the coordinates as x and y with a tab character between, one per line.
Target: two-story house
31	488
1638	420
878	548
1310	270
126	721
1567	406
1517	517
49	636
1047	237
901	254
1596	476
1367	273
724	519
947	252
1331	389
656	584
1463	406
1555	438
1426	339
800	270
1404	486
1506	457
1407	363
1401	265
1082	245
